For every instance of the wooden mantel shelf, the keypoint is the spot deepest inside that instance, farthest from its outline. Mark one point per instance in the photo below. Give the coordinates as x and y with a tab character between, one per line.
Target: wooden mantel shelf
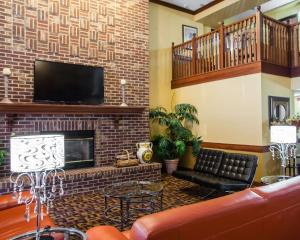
67	109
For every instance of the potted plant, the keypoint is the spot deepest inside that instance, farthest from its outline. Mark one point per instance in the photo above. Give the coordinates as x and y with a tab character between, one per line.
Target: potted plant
171	144
2	155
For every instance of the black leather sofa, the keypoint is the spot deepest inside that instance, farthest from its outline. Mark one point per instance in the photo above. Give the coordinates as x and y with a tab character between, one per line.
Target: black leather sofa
221	170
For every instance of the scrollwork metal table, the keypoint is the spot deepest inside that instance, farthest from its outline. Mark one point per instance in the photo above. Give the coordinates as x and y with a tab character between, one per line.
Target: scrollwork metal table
274	179
133	197
47	234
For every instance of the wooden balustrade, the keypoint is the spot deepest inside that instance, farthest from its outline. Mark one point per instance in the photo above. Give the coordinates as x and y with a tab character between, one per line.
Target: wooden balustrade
275	42
295	41
207	52
254	39
240	42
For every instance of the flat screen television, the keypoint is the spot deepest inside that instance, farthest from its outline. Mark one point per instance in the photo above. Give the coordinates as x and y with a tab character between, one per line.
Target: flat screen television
56	82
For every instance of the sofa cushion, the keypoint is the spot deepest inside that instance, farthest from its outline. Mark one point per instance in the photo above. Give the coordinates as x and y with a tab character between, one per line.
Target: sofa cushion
208	161
184	174
240	167
220	183
7	200
13	222
105	233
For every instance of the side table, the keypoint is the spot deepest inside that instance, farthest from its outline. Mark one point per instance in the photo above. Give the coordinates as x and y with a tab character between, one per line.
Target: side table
273	179
45	234
146	195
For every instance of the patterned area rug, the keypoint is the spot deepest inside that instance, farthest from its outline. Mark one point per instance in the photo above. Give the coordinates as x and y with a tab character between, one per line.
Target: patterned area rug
84	211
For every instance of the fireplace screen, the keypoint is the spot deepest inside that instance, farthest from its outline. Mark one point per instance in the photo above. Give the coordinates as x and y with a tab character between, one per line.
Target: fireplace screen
79	149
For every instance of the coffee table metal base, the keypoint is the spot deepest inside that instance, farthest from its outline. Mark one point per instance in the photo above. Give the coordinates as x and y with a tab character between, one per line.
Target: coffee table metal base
68	233
136	197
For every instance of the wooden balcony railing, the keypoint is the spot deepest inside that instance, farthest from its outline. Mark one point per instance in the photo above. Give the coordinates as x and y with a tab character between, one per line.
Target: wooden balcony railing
255	39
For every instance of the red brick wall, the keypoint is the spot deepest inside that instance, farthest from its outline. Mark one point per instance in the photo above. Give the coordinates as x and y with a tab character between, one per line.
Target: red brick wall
112	34
94	179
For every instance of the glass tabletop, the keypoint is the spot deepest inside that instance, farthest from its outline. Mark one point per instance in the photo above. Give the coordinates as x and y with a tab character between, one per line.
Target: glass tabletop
274	179
133	189
46	233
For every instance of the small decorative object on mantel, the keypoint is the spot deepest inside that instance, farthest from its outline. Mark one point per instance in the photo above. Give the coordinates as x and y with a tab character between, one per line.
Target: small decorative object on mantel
6	73
144	151
126	160
123	83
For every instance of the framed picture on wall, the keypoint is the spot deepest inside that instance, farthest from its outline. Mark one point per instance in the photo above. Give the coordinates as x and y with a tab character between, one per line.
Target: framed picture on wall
188	32
279	109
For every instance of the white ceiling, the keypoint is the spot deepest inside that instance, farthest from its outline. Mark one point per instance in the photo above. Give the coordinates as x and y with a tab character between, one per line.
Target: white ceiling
189	4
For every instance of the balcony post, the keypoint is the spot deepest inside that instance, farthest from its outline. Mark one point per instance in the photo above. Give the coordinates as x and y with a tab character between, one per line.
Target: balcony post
194	55
259	35
289	43
295	45
173	61
221	46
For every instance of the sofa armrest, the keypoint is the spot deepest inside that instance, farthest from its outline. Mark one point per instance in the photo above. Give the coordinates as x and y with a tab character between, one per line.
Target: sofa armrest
105	233
7	201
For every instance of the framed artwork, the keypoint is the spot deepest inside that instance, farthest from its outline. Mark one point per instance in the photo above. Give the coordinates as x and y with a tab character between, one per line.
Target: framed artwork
279	109
188	32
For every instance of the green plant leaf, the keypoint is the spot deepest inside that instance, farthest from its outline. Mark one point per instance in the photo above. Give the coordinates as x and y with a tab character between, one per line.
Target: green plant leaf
2	156
180	147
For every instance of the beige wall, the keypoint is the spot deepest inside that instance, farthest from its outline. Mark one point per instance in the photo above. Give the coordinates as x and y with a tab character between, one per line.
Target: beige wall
236	111
273	86
229	110
296	88
165	28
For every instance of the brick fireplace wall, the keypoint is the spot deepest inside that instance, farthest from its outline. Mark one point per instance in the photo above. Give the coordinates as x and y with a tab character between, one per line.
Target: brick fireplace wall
108	33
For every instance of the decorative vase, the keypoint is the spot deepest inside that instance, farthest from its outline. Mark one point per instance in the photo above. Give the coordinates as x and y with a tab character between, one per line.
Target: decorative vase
144	151
171	165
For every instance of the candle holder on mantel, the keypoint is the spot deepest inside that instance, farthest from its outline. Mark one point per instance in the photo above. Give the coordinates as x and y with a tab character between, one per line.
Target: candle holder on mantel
6	73
123	83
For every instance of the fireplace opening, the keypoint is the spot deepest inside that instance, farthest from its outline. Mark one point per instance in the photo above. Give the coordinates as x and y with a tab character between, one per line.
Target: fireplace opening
79	148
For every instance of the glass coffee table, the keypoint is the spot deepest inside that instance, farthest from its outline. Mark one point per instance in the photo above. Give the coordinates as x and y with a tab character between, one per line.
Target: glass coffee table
273	179
129	198
47	234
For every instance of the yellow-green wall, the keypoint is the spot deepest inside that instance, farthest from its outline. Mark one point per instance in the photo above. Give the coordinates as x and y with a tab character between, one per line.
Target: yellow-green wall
165	28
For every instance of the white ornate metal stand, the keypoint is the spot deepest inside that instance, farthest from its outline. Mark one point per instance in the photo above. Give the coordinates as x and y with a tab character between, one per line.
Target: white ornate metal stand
36	165
43	197
283	139
285	151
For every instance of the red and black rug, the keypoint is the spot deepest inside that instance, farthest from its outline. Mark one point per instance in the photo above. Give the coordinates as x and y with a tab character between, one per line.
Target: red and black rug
84	211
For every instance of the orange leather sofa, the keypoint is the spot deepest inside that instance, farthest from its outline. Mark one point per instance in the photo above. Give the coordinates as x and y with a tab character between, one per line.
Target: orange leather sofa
267	212
12	221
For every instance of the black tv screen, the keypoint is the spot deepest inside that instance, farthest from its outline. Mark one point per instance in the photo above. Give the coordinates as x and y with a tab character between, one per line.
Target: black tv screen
56	82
